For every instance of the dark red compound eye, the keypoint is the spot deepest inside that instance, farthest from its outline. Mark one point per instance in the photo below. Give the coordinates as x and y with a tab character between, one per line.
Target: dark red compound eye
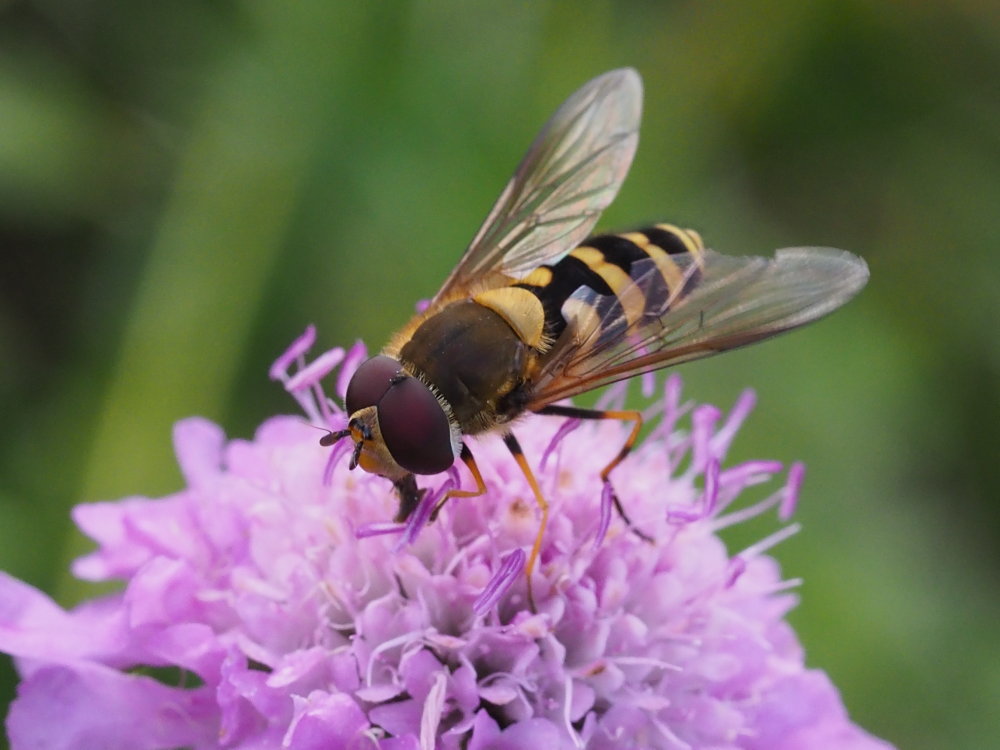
370	382
415	427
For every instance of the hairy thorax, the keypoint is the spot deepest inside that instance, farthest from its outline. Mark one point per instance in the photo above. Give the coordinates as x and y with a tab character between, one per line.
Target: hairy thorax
474	360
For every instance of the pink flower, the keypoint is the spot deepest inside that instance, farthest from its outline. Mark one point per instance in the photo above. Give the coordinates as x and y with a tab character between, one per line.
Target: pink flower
260	609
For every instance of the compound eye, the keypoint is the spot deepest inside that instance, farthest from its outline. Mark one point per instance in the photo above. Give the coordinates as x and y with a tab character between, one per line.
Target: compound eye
415	428
370	382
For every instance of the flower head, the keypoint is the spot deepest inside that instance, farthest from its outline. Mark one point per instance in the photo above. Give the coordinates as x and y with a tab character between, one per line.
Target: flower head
262	610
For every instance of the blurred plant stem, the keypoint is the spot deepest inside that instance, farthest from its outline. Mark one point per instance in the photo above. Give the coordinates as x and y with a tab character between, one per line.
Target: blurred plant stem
220	237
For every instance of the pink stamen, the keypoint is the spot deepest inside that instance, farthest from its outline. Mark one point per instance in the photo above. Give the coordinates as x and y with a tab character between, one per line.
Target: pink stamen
340	449
564	429
770	541
739	516
711	494
736	567
378	528
648	382
419	518
670	405
702	424
316	370
355	356
433	709
327	414
605	518
613	398
749	473
737	415
733	481
791	583
790	499
680	515
510	568
298	348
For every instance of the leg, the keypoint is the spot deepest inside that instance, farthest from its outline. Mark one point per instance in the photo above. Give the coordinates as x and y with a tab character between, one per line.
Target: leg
630	415
515	448
409	497
469	460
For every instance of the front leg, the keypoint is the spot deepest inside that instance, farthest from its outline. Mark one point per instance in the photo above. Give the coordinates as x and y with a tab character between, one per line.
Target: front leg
409	497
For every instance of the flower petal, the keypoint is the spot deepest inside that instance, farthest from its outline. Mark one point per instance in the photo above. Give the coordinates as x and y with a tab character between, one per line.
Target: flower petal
89	706
323	721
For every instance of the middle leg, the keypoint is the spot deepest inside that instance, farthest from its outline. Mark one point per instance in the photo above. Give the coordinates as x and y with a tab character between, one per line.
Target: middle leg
629	415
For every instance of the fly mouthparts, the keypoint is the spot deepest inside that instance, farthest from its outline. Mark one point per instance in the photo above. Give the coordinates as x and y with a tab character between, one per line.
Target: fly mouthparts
356	456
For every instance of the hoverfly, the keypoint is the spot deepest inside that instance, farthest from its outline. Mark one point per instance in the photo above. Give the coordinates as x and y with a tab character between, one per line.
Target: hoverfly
535	313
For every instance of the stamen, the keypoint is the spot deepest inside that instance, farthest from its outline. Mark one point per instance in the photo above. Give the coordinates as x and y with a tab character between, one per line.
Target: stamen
399	640
316	370
646	661
510	569
339	449
791	583
680	515
319	395
648	382
564	429
607	500
791	497
419	518
749	473
702	425
771	540
737	415
745	514
613	398
378	528
711	494
568	711
671	402
739	562
298	348
669	735
671	410
355	356
431	716
736	567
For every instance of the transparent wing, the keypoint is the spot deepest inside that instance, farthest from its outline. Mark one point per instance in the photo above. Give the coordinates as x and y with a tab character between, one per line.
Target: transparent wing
722	302
570	174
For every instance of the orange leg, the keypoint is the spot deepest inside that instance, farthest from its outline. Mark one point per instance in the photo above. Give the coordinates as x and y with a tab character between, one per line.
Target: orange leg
469	460
515	448
511	442
410	494
628	415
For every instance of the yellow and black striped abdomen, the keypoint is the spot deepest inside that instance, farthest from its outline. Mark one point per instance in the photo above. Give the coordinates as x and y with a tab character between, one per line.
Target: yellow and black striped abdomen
608	264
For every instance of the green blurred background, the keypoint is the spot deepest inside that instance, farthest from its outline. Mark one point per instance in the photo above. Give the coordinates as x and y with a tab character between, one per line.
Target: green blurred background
185	185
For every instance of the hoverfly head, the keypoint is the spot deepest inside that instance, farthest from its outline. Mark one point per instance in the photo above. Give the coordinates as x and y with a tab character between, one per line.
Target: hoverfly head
397	423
